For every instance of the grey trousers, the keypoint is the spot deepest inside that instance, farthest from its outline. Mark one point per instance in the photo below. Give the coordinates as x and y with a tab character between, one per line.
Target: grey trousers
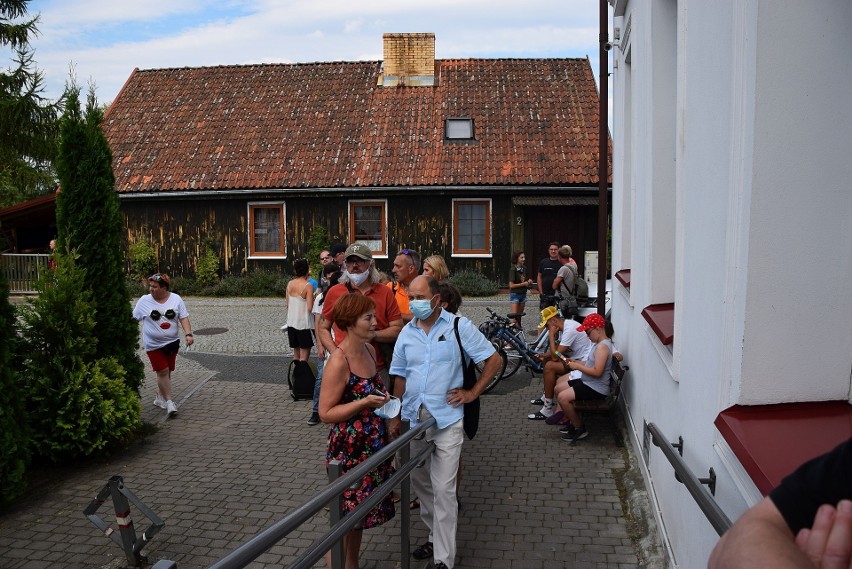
435	485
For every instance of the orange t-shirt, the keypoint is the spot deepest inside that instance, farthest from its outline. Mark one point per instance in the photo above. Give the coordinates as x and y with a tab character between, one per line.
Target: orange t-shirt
401	298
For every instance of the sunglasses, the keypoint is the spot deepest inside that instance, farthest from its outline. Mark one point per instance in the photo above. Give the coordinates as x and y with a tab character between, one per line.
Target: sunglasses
170	315
326	258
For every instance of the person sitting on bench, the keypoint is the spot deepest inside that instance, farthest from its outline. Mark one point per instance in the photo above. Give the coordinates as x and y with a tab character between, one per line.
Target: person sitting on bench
594	381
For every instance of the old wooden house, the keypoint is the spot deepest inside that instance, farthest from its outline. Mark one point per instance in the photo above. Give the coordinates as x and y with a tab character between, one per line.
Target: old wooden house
470	159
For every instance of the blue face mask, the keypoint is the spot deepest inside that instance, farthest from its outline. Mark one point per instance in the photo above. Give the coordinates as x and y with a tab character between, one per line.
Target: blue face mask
421	308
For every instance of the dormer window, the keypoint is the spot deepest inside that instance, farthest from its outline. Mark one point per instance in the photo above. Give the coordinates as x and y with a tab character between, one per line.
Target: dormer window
460	128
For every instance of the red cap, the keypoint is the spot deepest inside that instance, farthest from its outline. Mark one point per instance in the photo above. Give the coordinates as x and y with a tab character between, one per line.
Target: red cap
592	321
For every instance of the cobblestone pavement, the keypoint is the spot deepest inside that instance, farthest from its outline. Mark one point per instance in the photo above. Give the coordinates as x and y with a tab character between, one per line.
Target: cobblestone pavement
239	456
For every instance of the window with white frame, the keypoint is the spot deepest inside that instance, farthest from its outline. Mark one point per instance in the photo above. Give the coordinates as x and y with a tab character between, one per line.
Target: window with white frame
472	227
368	225
266	229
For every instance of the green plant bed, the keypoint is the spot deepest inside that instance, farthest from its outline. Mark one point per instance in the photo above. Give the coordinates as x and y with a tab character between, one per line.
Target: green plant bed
471	283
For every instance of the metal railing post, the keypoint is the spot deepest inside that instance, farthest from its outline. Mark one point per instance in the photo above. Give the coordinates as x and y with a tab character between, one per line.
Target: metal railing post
693	484
335	515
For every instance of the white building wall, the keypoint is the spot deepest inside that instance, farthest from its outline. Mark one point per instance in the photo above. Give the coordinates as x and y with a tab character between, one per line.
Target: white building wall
759	224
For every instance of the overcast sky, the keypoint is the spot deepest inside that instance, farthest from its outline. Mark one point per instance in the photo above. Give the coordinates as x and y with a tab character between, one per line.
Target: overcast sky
104	40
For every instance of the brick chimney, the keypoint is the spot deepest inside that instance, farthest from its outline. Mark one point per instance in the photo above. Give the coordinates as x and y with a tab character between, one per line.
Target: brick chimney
409	60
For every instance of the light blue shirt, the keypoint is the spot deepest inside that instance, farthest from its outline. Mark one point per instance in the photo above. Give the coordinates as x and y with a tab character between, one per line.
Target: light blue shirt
431	365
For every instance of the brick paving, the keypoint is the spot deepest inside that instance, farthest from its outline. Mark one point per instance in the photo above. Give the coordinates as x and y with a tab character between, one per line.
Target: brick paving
239	456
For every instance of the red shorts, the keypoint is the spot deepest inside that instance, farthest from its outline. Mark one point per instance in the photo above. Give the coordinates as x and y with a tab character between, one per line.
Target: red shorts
160	360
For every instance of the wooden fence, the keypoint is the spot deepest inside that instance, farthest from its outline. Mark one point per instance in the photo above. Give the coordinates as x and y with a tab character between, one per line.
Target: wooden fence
22	271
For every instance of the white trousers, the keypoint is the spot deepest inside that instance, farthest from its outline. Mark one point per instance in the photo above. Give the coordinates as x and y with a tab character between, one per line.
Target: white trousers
435	485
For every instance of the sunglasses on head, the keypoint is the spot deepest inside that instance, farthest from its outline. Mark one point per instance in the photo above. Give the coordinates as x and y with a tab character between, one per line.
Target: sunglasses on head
170	314
156	277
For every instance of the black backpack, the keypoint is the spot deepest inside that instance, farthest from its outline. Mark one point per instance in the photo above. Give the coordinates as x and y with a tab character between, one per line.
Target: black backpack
301	378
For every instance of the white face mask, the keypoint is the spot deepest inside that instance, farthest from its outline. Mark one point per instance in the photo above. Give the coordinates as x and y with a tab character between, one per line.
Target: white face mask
358	278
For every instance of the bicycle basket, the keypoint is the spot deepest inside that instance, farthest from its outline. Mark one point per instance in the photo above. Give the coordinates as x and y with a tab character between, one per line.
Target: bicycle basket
489	328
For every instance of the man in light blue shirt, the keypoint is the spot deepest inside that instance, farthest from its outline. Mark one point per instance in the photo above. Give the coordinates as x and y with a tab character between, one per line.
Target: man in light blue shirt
428	364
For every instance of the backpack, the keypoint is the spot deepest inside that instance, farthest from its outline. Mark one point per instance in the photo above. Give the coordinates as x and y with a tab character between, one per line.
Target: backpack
581	287
301	379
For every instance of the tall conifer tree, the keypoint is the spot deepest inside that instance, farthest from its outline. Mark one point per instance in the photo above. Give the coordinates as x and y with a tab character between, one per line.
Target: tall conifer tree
89	222
14	452
28	121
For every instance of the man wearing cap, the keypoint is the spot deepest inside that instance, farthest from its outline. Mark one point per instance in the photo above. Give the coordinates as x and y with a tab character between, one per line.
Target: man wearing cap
594	376
361	277
338	254
572	344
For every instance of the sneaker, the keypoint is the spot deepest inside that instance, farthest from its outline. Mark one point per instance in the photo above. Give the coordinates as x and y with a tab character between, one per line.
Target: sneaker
171	408
159	402
566	428
425	551
576	435
314	419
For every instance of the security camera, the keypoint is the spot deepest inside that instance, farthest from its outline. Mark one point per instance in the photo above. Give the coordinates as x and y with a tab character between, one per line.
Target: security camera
608	46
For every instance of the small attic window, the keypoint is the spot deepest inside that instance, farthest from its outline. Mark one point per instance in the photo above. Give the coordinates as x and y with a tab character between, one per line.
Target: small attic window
458	128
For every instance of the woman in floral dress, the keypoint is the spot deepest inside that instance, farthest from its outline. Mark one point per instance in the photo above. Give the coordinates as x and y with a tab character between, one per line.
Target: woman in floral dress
351	390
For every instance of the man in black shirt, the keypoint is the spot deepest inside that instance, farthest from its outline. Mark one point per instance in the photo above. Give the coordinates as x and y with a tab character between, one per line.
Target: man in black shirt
805	522
547	269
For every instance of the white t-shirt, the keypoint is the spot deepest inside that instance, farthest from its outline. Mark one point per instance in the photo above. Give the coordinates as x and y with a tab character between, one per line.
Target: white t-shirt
578	344
163	331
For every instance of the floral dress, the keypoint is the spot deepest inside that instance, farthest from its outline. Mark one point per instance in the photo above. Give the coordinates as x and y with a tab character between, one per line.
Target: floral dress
356	439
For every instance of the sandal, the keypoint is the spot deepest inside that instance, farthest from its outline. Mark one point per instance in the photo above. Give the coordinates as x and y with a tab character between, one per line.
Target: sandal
423	552
538	401
537	416
414	504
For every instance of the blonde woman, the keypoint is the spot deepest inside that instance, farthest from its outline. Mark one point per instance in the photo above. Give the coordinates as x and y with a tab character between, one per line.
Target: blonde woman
434	266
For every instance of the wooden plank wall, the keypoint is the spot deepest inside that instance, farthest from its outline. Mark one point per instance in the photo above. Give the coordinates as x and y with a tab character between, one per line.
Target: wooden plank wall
178	228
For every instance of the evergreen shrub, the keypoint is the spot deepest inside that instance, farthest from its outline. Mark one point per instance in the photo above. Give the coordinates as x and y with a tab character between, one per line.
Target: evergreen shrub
14	449
472	283
207	272
143	260
77	403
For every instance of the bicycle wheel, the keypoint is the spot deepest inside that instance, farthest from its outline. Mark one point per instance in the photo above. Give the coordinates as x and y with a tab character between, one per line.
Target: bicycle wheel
513	361
493	383
513	356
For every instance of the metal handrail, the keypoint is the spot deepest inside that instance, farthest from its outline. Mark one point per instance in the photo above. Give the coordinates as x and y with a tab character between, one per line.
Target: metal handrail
694	485
262	542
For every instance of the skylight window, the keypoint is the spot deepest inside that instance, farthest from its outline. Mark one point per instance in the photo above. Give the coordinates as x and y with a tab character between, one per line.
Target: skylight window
458	129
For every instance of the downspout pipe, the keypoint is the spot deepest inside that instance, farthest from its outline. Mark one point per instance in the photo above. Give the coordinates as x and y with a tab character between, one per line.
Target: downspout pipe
603	149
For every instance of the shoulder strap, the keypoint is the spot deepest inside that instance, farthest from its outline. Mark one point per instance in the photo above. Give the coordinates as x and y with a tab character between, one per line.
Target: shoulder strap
458	339
349	287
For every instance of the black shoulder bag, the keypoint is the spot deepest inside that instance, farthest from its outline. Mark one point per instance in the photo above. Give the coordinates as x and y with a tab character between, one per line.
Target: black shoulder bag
471	410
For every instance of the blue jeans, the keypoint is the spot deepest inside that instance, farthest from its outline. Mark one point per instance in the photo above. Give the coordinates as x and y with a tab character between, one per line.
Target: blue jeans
318	383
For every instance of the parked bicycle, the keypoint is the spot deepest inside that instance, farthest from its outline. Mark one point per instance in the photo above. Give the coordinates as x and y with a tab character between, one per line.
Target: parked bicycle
509	339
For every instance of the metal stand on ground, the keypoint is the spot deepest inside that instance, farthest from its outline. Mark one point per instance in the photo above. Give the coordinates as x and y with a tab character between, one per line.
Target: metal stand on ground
122	497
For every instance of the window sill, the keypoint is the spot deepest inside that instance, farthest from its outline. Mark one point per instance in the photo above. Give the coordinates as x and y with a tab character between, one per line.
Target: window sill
661	319
771	441
623	276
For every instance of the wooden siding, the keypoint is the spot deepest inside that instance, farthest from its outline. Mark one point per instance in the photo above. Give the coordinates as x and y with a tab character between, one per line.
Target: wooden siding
178	229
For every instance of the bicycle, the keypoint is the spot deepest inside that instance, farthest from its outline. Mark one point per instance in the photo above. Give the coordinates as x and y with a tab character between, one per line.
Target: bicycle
503	334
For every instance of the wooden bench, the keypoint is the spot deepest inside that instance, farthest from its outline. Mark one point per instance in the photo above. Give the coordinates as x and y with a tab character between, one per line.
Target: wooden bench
616	376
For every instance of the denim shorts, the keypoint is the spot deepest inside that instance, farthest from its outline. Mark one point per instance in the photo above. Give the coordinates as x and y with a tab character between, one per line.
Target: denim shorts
517	297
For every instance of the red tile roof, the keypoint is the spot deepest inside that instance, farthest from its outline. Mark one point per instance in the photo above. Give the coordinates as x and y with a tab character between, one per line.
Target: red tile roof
330	125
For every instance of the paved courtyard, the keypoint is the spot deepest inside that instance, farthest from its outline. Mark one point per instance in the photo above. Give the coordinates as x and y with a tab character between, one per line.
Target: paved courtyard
239	456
